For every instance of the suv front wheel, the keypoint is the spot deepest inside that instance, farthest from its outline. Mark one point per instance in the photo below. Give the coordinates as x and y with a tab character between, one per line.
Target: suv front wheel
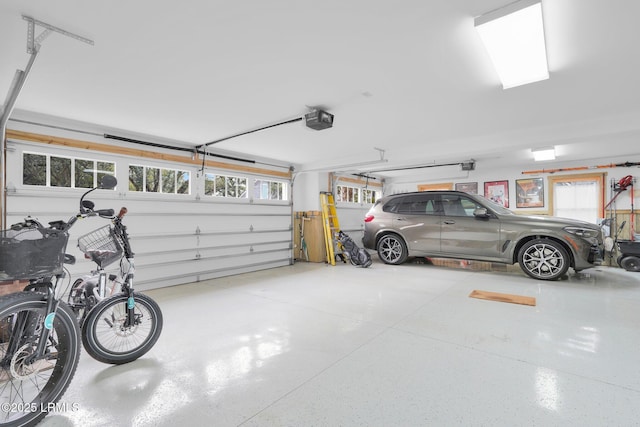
392	249
543	259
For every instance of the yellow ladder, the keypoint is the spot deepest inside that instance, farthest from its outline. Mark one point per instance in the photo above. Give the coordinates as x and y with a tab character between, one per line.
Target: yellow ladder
330	224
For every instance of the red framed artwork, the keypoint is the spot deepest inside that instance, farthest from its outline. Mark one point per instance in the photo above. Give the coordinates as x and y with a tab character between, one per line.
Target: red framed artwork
498	192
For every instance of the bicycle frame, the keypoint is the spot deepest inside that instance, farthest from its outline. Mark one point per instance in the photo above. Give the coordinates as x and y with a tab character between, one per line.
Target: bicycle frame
95	284
127	266
22	322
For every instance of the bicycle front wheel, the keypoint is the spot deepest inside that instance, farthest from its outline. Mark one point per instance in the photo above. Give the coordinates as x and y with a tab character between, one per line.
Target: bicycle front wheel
108	335
30	388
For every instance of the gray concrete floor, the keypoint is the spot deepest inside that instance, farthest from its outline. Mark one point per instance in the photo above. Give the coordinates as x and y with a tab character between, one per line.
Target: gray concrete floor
315	345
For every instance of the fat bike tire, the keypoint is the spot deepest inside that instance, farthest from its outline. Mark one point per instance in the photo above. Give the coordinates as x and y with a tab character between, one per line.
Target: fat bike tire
30	389
108	338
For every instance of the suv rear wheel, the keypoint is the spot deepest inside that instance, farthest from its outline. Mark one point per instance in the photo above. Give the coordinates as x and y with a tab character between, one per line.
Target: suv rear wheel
543	259
392	249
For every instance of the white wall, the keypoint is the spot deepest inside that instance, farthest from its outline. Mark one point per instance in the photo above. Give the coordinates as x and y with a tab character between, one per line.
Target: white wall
306	190
481	175
306	197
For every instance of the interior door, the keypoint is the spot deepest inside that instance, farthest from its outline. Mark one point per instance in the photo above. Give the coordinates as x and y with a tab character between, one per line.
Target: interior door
465	235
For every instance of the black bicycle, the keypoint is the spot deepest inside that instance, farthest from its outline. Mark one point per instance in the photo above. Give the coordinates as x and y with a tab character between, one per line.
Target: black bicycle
40	334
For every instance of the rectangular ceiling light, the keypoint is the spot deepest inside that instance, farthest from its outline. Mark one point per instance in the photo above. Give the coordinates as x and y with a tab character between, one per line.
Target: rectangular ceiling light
514	37
542	154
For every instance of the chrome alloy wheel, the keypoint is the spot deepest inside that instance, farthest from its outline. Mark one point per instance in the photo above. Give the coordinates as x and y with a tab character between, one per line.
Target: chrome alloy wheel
544	259
392	249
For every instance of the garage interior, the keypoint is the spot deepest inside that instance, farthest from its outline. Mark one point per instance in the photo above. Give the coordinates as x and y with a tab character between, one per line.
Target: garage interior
205	112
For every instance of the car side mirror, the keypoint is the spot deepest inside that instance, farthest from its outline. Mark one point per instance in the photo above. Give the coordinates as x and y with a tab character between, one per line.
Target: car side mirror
481	213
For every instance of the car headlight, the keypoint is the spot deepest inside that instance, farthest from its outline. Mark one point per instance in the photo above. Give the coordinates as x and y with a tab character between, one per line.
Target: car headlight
582	232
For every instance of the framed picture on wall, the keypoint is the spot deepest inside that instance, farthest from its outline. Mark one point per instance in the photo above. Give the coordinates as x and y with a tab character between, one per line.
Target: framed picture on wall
497	191
530	193
467	187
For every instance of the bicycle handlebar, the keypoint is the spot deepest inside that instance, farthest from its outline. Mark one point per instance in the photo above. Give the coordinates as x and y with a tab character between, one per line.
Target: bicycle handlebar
84	213
105	213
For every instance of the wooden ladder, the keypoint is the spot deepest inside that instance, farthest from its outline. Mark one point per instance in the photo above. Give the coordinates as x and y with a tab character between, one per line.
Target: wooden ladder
331	226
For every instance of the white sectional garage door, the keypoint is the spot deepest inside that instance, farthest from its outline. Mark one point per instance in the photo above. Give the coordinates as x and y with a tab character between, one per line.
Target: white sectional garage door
177	236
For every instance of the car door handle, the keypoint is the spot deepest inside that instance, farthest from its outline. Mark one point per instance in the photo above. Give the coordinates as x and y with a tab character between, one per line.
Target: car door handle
449	221
400	219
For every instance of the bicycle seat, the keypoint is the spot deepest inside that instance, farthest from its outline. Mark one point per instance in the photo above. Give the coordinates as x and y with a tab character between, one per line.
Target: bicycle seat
69	259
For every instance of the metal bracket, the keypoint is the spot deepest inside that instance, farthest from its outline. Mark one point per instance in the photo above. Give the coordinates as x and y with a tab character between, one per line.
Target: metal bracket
33	46
33	43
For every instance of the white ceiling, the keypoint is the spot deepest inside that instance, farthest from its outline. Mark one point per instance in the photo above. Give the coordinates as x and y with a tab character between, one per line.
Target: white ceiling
409	77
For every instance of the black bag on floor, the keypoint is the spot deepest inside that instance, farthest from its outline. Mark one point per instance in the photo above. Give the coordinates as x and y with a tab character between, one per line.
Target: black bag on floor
357	256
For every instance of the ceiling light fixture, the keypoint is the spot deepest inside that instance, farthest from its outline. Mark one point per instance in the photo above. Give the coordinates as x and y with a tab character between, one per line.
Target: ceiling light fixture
514	38
541	154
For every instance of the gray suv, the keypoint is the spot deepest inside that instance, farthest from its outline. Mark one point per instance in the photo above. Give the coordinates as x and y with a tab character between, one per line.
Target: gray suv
452	224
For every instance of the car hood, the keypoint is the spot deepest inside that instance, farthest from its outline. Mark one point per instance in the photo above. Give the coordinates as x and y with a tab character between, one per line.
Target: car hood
552	220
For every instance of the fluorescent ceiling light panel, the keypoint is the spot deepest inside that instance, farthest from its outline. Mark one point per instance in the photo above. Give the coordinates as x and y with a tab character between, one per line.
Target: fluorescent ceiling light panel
514	38
542	154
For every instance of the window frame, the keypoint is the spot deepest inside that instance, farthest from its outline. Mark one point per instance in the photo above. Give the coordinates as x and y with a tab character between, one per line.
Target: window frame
353	191
160	184
599	178
227	178
96	172
283	191
120	163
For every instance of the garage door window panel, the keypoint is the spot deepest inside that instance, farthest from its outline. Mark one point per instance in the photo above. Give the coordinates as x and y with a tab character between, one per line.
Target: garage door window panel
369	196
60	172
84	173
152	180
158	180
63	172
225	186
183	178
270	190
34	169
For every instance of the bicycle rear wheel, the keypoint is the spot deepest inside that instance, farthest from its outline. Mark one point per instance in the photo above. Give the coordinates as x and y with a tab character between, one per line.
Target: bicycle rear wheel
28	391
108	337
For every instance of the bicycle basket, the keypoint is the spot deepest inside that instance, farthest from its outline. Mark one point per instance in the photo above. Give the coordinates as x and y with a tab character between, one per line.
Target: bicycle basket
31	252
101	246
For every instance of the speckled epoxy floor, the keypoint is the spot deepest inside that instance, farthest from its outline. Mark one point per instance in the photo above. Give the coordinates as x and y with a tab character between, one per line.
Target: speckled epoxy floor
314	345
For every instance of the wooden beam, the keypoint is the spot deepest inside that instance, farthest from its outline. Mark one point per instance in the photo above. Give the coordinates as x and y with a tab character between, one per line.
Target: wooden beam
361	181
446	186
